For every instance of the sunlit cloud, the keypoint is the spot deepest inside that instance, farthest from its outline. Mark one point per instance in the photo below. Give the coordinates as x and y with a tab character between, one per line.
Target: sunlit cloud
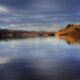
4	9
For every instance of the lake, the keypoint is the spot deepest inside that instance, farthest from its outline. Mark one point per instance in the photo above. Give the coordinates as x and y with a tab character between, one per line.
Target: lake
39	59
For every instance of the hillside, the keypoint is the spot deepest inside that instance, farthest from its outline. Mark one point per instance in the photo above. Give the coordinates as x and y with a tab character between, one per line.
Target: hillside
70	30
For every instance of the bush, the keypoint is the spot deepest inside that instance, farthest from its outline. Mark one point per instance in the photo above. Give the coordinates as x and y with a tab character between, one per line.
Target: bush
69	25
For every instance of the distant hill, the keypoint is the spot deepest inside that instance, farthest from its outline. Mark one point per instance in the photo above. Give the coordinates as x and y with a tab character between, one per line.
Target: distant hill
5	33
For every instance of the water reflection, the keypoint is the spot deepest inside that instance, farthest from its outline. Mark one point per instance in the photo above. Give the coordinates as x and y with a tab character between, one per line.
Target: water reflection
25	69
39	59
71	39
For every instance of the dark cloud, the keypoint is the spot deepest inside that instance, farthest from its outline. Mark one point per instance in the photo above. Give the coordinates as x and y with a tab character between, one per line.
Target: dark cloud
67	5
40	11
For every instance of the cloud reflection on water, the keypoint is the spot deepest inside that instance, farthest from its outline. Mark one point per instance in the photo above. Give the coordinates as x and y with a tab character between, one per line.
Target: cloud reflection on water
39	59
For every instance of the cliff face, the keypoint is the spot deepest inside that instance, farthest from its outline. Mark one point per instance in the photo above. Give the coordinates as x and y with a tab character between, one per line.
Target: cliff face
70	30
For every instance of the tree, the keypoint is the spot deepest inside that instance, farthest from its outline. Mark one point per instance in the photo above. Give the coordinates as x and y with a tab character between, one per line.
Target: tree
69	25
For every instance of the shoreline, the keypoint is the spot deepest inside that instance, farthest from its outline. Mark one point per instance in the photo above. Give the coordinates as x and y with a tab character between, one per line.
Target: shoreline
5	33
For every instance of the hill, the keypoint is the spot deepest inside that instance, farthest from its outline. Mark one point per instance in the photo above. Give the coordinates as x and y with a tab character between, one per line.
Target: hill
70	30
5	33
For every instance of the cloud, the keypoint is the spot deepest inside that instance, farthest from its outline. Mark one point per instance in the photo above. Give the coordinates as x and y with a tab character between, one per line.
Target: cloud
32	27
39	12
4	9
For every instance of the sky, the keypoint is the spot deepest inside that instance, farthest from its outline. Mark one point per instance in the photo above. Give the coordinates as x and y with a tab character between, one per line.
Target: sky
38	14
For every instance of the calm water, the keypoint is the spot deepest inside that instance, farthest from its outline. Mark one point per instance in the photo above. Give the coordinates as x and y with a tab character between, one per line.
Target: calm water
39	59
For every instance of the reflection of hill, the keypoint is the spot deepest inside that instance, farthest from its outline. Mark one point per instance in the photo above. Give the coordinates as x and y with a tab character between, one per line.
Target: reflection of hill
71	39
